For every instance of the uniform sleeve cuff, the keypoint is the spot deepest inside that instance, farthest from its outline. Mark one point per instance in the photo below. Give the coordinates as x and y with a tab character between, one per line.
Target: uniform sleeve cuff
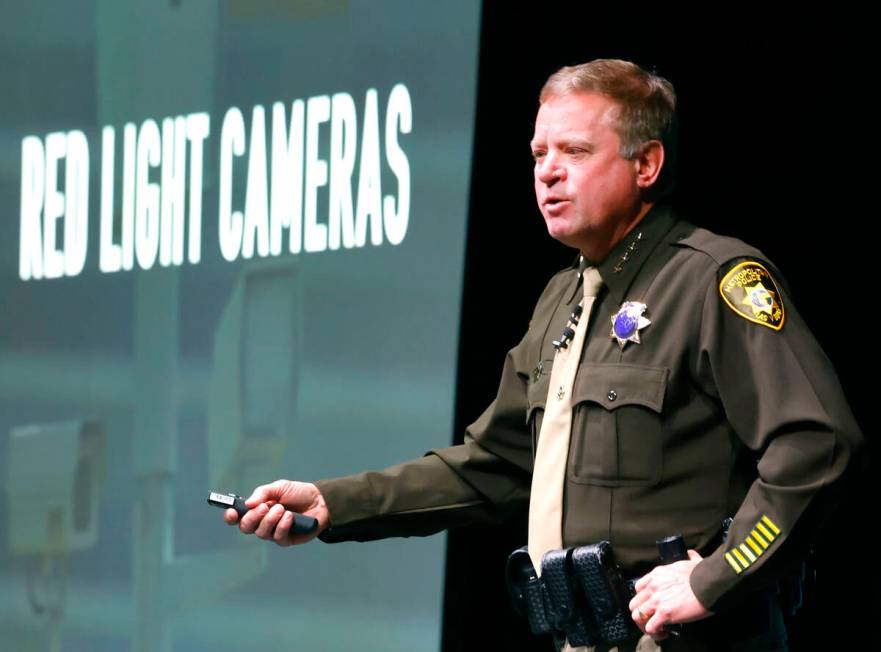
348	499
712	579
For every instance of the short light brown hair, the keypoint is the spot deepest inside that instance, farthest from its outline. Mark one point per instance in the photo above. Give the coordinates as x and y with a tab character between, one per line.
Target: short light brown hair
647	105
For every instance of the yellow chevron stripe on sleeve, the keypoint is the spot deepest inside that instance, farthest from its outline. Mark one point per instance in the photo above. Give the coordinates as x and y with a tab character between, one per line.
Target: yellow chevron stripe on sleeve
758	537
752	544
730	559
748	553
771	525
761	528
740	558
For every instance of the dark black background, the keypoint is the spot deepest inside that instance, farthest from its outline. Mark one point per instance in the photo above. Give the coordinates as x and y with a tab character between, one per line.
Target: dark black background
776	147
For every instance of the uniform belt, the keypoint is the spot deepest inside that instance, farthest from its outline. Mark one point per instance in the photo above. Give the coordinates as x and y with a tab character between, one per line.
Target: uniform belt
580	597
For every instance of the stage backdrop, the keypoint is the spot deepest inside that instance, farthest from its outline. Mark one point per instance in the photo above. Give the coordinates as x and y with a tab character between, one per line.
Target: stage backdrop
231	250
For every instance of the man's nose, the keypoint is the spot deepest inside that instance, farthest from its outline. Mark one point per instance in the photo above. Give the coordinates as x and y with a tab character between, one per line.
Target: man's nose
550	171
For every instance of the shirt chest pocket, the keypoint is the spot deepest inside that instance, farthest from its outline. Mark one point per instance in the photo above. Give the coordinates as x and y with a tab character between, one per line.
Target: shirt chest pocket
617	438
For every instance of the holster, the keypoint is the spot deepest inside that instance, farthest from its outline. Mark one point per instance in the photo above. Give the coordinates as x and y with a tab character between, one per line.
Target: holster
527	591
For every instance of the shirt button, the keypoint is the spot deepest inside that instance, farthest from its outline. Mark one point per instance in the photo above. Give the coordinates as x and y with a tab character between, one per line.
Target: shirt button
612	395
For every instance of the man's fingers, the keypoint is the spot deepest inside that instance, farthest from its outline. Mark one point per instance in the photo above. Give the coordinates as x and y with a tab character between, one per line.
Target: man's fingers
654	626
231	516
268	523
251	520
694	555
643	607
282	531
643	582
639	599
644	593
639	618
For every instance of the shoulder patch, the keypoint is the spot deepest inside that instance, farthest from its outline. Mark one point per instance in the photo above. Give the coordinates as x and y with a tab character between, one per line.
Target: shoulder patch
750	291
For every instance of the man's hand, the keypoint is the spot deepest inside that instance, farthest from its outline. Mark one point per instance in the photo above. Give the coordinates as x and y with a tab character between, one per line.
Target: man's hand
664	596
268	517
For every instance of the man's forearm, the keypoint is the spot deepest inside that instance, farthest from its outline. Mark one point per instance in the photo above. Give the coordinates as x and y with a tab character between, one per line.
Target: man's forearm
444	489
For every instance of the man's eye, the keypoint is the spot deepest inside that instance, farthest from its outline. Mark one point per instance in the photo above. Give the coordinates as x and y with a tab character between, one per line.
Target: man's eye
575	151
538	155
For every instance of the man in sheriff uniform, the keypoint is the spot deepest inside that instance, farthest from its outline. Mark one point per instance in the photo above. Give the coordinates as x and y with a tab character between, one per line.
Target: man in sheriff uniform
698	394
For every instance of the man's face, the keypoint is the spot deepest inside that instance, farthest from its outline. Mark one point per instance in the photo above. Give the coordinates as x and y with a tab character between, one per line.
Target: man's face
586	191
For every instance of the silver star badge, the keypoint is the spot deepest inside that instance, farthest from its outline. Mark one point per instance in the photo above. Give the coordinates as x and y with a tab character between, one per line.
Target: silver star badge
628	321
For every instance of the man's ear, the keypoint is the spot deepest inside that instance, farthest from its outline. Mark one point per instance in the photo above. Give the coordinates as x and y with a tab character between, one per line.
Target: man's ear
649	161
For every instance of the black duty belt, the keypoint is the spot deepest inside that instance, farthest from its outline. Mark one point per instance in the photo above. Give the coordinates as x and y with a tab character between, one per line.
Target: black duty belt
581	595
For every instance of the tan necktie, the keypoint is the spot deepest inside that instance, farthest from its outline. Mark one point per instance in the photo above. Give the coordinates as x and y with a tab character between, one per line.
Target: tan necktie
549	470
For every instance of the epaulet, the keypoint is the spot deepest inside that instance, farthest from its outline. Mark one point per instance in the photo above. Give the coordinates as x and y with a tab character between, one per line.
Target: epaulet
719	247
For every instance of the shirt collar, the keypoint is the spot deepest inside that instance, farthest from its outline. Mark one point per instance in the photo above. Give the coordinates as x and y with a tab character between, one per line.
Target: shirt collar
620	267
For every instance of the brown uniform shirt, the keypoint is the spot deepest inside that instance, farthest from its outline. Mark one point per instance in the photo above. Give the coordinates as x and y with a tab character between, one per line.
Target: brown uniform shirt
726	407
